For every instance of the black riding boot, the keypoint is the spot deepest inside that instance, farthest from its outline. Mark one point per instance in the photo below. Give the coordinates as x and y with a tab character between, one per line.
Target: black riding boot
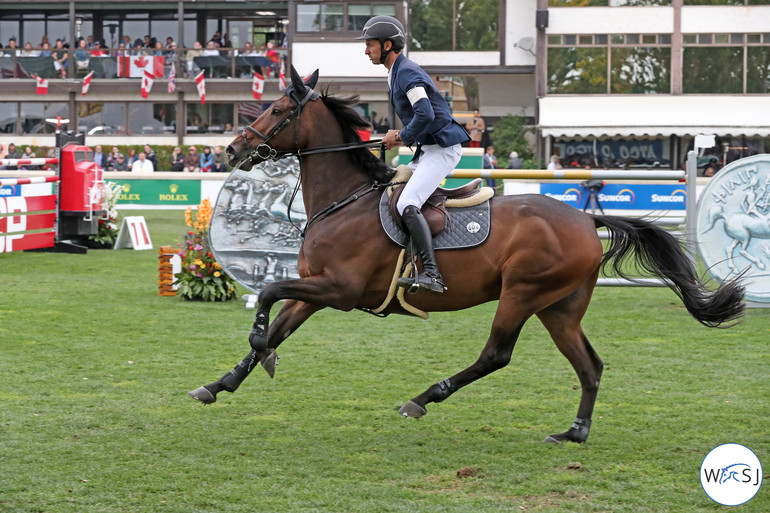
430	279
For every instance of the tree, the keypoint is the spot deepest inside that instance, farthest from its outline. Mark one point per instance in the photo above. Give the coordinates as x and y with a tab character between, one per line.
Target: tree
510	135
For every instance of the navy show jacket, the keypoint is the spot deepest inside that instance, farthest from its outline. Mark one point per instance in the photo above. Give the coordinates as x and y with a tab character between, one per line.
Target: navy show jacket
429	120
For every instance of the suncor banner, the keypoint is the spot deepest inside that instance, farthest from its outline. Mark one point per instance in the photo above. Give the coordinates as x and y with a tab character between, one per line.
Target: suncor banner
621	196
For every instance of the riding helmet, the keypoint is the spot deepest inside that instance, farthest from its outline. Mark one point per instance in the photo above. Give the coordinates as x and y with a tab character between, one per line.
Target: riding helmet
385	28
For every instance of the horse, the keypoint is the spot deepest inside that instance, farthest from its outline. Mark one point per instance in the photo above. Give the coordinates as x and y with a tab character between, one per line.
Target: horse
741	228
542	257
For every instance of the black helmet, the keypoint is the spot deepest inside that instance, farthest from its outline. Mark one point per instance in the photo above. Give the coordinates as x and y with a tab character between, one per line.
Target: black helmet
385	28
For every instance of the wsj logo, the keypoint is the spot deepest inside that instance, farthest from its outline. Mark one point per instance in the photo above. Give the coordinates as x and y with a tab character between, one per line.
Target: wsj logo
731	474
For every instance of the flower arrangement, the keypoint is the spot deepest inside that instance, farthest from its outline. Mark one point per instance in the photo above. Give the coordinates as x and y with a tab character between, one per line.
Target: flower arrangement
202	278
108	225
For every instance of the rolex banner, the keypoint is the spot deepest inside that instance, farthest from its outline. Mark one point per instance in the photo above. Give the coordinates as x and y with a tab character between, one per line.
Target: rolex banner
159	192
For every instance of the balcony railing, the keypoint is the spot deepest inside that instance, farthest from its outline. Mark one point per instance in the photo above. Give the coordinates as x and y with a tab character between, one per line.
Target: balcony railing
229	63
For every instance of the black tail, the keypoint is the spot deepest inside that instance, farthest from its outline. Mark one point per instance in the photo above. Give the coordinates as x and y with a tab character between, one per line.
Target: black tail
658	253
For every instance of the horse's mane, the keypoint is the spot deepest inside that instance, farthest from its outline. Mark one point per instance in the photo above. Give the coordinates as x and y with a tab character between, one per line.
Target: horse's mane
350	121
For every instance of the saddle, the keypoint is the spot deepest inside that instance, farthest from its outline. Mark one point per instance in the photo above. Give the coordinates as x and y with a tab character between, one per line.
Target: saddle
435	208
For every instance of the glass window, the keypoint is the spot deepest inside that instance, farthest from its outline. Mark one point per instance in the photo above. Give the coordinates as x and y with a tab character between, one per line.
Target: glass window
721	39
475	27
601	39
704	39
570	39
754	38
618	39
640	70
713	70
248	112
577	70
758	69
614	153
101	118
632	39
308	17
689	39
33	29
386	10
585	39
332	17
358	15
211	117
606	3
8	118
151	118
40	118
714	2
649	39
137	29
554	39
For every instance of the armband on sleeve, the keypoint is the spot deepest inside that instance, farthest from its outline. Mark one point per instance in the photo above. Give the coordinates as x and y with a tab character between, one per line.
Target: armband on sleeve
415	94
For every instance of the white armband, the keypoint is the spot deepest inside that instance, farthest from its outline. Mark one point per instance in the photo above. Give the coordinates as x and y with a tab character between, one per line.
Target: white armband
415	94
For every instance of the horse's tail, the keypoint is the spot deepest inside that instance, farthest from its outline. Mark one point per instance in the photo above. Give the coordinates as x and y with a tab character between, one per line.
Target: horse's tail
658	253
715	214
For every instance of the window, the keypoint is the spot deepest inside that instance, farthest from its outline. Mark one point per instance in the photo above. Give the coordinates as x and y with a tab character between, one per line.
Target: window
714	63
606	3
209	118
101	118
37	117
650	152
758	70
320	17
151	118
638	64
474	28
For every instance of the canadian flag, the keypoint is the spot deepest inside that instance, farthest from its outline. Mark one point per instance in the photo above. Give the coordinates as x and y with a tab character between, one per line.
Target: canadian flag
41	85
136	65
147	84
258	86
282	77
172	79
86	83
200	83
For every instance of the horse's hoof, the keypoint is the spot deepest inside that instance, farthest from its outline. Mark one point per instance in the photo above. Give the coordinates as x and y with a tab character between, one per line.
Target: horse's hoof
203	395
269	362
413	410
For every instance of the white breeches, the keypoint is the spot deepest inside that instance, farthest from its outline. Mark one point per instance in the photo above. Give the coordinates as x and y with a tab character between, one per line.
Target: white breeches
434	164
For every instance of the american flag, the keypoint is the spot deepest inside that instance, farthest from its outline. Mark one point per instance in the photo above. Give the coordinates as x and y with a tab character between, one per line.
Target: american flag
172	79
250	111
282	77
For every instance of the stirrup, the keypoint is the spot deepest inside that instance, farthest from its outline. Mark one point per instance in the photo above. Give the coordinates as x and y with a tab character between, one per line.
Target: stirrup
414	284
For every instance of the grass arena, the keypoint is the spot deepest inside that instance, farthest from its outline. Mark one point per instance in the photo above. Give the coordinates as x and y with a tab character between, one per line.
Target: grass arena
95	415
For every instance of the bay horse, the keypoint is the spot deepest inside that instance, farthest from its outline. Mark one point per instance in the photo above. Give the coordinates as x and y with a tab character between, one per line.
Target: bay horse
541	258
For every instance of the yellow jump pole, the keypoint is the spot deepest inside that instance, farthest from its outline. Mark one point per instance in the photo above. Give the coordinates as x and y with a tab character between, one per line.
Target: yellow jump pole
575	174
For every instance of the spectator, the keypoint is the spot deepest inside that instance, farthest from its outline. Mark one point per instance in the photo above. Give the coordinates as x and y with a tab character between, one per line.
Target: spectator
82	54
29	154
192	161
248	49
197	51
151	156
475	127
45	49
177	159
112	158
555	163
220	160
159	49
207	160
490	162
99	156
120	164
142	165
228	128
148	43
121	51
514	162
98	51
60	58
13	153
217	40
211	49
29	51
90	43
131	157
11	48
710	170
272	55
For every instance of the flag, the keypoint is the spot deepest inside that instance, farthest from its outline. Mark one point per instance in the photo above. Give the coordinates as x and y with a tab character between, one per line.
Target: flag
200	83
86	83
172	79
41	85
136	65
282	77
147	84
257	86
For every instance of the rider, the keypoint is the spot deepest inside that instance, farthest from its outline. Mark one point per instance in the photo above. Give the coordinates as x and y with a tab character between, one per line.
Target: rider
429	124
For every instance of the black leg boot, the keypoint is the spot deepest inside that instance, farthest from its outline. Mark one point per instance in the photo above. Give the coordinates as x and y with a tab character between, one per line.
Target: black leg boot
430	279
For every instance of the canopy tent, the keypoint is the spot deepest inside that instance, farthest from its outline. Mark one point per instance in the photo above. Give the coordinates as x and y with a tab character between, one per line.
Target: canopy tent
654	115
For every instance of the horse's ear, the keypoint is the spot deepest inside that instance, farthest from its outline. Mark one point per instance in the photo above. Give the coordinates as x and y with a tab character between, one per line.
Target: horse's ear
296	81
312	80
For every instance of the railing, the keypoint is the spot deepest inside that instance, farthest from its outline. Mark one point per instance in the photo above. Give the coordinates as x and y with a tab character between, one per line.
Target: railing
115	63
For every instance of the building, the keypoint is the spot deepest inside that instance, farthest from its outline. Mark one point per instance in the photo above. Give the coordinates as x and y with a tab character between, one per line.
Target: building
603	82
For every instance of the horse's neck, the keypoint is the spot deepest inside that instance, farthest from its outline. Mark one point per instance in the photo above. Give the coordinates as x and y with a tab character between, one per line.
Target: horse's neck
327	178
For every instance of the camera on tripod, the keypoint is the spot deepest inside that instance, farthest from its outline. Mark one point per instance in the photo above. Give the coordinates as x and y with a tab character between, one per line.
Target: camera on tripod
594	187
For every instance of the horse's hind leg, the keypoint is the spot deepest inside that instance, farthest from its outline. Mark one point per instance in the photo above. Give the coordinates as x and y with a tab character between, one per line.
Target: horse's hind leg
291	316
562	320
495	355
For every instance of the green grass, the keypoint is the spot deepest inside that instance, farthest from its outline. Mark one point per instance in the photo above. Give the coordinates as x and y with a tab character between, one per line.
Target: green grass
94	414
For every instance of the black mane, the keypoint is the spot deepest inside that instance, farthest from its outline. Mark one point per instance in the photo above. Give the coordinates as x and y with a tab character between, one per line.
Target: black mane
350	121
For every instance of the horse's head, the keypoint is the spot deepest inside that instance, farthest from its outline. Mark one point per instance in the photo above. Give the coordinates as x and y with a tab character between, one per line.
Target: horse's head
270	136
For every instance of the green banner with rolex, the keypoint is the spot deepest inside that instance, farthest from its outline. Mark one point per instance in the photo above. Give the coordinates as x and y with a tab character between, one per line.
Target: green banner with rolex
159	192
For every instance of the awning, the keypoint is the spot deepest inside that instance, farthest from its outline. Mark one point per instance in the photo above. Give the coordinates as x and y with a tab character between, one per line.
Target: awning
654	115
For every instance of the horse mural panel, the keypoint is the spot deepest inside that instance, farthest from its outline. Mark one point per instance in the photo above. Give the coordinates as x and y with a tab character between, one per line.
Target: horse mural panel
542	258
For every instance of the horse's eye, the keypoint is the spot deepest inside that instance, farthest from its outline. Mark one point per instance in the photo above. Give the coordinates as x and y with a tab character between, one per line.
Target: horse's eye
276	112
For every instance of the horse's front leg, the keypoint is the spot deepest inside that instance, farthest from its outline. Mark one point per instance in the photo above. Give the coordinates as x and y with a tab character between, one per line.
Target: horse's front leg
291	317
